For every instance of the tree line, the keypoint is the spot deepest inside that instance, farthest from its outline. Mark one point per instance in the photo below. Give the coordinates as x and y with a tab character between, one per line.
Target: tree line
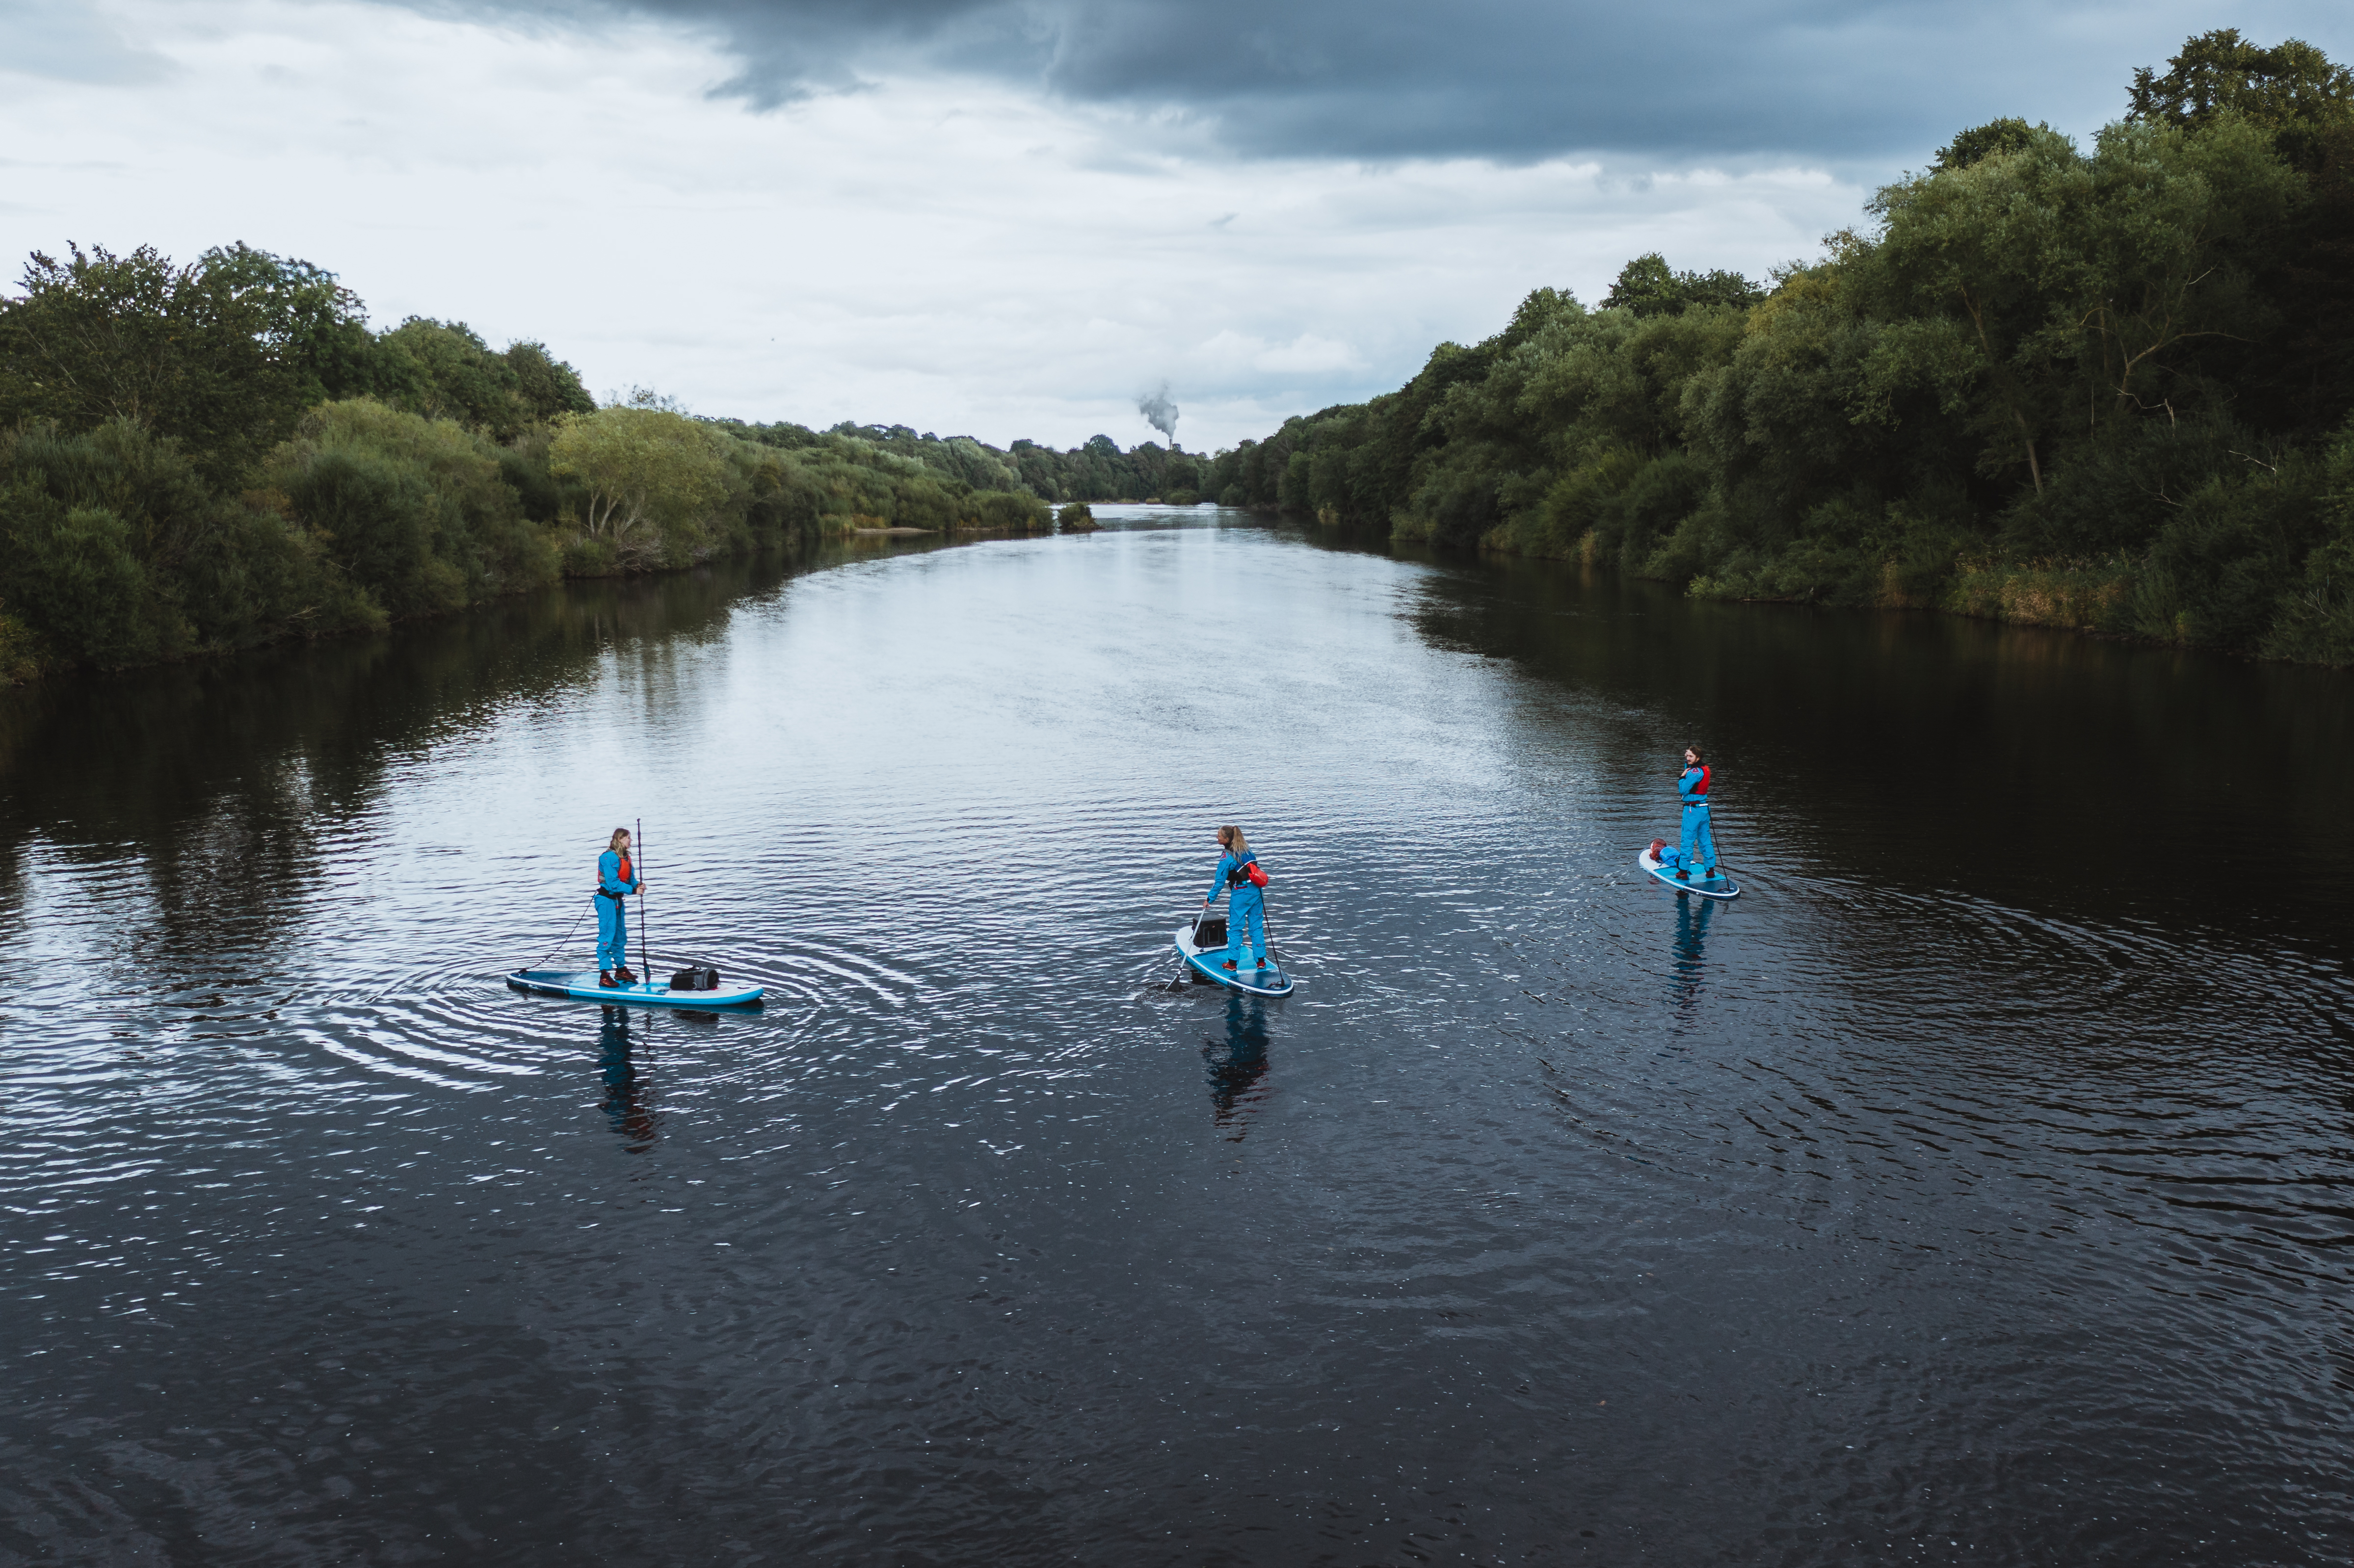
1097	470
204	457
2104	386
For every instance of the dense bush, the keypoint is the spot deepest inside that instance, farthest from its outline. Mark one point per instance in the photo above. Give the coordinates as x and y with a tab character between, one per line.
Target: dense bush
2315	620
417	512
124	553
1013	511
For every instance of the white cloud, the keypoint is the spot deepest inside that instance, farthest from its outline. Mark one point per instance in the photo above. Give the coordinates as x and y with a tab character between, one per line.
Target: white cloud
952	254
68	41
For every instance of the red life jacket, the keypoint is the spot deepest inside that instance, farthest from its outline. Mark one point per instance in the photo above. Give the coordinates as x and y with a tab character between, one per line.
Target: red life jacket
625	868
1701	793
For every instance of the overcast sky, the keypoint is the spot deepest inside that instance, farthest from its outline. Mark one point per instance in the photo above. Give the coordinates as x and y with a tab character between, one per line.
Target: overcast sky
1011	220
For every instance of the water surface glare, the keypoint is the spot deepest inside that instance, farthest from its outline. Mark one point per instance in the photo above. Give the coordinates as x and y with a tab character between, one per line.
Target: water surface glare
1973	1190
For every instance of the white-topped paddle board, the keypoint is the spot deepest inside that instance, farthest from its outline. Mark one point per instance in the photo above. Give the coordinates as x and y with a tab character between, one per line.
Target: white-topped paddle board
1210	963
582	984
1717	886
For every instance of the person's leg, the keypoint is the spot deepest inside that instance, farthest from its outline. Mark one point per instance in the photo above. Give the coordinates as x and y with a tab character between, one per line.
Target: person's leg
1254	917
1707	840
1234	932
608	937
1695	819
620	938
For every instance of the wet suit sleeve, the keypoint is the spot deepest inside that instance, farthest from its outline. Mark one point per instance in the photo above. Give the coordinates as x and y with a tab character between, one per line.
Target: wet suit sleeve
1685	782
1218	881
608	874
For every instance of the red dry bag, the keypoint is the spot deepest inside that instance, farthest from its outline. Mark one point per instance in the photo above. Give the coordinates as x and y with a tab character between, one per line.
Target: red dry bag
1257	874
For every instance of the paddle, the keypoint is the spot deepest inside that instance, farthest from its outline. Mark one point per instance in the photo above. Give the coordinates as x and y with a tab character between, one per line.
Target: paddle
644	967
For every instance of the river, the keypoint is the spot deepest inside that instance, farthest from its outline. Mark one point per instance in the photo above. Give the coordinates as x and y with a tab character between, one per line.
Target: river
1974	1189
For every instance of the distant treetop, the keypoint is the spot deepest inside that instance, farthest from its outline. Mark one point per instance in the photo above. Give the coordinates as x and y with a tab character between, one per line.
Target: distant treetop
2009	134
1648	287
2291	89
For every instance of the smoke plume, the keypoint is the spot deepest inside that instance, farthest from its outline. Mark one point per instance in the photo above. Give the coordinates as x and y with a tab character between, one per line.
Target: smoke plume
1160	412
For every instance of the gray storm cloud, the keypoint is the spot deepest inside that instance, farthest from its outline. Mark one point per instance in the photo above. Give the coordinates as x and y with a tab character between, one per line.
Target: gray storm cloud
1511	80
1159	411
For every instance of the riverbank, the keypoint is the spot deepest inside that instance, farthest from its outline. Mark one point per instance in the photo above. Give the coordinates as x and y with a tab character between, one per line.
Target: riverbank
2112	601
2108	387
2269	573
25	661
2120	598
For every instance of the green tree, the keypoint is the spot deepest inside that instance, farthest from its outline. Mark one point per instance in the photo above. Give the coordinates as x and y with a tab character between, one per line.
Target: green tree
2314	618
84	587
310	323
444	370
544	385
205	354
191	568
2037	289
2292	91
1647	287
2301	376
2008	135
654	480
416	511
382	520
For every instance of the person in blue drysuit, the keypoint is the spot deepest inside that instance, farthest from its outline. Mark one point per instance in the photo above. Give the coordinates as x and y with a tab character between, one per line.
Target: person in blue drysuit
1246	907
1699	845
616	879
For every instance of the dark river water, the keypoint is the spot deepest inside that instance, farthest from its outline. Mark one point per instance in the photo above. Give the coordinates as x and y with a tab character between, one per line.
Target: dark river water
1975	1189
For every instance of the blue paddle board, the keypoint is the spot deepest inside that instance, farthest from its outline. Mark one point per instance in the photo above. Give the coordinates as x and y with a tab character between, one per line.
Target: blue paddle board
1210	964
1717	886
582	983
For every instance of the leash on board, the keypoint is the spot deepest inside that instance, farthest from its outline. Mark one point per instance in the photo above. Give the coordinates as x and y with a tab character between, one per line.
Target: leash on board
564	941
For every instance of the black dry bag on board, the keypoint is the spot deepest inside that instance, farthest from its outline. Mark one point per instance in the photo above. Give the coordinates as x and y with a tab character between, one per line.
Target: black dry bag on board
695	980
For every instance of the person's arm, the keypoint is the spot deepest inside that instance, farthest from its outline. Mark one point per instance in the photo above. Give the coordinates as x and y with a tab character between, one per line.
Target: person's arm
1684	781
608	875
1218	879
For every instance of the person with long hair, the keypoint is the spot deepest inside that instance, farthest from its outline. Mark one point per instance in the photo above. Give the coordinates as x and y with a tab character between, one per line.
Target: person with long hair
1245	906
1699	841
616	879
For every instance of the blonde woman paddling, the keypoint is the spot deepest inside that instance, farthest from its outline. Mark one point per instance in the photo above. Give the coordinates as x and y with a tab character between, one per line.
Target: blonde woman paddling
1245	906
616	879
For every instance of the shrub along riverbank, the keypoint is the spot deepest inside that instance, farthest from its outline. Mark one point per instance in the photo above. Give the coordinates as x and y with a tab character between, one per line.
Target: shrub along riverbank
201	458
2107	388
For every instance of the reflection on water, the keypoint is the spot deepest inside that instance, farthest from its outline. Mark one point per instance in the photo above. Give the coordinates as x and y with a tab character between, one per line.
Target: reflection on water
1941	751
1238	1065
1692	915
626	1095
1971	1189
